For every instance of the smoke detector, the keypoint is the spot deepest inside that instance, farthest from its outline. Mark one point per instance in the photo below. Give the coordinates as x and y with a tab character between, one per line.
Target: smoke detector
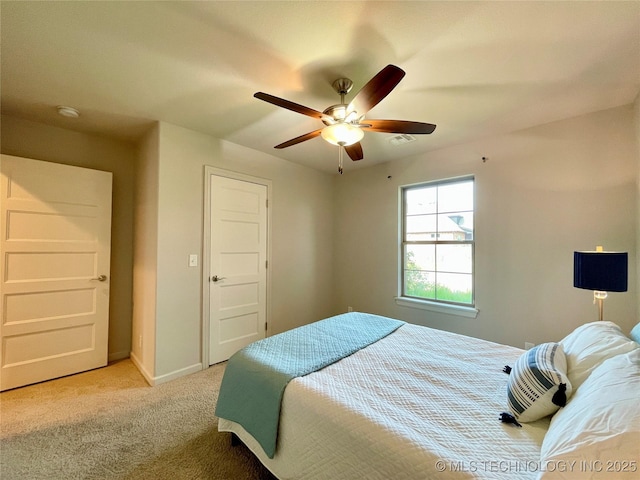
69	112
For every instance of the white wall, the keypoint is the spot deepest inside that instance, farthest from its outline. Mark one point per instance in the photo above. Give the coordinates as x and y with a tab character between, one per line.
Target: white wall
301	232
35	140
543	193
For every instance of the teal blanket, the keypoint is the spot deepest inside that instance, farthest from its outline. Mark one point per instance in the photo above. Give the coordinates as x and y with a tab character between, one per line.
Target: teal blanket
256	376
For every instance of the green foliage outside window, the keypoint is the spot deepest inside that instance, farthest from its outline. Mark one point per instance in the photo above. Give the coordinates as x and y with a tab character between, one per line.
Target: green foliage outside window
417	285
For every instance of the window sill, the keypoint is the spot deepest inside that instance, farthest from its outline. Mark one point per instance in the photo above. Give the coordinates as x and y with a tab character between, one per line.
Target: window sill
459	310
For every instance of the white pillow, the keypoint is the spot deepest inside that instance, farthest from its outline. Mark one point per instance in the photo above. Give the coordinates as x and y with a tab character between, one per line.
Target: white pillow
535	379
589	345
635	333
597	434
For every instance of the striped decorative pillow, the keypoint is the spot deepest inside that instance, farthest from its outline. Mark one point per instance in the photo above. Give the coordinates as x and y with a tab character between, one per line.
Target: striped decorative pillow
538	383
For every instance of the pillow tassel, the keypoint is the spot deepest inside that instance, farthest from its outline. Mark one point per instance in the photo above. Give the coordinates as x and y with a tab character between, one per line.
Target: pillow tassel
560	397
507	369
508	418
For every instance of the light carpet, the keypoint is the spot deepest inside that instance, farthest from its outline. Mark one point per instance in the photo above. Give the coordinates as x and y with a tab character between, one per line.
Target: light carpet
110	424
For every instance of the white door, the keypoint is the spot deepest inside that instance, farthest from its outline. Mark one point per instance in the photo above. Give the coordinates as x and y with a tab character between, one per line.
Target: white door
238	265
54	263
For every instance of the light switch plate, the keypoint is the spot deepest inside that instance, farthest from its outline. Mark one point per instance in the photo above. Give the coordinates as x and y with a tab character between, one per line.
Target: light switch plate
193	260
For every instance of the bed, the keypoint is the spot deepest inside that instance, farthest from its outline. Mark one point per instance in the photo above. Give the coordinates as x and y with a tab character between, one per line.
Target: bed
420	403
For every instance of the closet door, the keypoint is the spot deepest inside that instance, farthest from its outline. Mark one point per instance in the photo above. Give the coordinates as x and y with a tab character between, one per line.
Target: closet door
55	242
238	265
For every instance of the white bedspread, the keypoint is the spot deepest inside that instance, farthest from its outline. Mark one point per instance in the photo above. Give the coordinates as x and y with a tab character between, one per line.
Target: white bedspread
418	404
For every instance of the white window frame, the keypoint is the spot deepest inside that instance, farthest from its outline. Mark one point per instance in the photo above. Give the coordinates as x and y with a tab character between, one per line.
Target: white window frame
439	306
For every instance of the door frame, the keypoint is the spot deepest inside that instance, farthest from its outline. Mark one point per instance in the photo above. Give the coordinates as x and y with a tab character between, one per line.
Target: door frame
206	251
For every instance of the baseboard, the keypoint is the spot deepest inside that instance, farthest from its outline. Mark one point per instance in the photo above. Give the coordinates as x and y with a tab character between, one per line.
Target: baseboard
115	356
178	373
153	381
136	361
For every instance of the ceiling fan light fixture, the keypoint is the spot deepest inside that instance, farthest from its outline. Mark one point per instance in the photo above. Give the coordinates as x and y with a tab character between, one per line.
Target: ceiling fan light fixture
342	134
344	122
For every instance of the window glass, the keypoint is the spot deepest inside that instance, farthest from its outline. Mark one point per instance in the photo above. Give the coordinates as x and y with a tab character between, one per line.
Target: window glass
421	200
455	197
438	241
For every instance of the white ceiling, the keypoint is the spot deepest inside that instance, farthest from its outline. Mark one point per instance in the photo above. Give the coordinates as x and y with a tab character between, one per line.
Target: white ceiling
473	68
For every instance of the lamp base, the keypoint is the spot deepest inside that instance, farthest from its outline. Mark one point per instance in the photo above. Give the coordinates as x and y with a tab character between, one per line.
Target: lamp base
598	297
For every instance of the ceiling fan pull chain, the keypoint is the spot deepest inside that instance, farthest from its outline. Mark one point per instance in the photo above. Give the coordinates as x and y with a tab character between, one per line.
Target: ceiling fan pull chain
340	160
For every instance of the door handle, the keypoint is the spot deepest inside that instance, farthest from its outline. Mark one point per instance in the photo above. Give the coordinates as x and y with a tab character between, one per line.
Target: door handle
216	278
100	278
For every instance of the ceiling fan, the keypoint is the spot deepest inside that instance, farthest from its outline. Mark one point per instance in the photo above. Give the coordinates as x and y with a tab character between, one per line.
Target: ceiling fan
345	123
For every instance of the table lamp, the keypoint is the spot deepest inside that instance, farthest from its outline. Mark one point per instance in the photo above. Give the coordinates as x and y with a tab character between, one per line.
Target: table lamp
601	272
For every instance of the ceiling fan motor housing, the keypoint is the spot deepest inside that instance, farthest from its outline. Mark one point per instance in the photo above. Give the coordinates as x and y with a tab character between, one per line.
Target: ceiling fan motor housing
338	112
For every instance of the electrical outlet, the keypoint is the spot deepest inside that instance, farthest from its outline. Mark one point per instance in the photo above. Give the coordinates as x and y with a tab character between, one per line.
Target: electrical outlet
193	260
349	309
529	345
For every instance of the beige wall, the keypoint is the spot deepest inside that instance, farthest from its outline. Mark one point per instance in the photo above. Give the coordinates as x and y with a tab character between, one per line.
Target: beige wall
145	254
23	138
167	196
636	126
543	193
301	232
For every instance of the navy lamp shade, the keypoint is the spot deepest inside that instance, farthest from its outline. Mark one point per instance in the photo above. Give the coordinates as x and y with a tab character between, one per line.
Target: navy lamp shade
602	272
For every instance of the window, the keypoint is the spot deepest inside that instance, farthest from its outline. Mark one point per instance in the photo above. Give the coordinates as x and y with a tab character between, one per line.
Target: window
438	242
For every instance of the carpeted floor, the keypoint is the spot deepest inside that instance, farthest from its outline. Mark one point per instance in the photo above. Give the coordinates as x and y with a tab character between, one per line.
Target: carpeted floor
109	424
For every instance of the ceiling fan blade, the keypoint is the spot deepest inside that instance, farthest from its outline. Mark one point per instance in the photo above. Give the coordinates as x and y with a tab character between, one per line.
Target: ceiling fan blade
398	126
376	89
300	139
281	102
355	151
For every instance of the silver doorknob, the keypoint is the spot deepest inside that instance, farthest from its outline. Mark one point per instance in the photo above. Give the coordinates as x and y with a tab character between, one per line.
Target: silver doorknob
100	278
215	278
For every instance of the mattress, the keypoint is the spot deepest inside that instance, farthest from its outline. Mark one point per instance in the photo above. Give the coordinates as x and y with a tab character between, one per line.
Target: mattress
418	404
